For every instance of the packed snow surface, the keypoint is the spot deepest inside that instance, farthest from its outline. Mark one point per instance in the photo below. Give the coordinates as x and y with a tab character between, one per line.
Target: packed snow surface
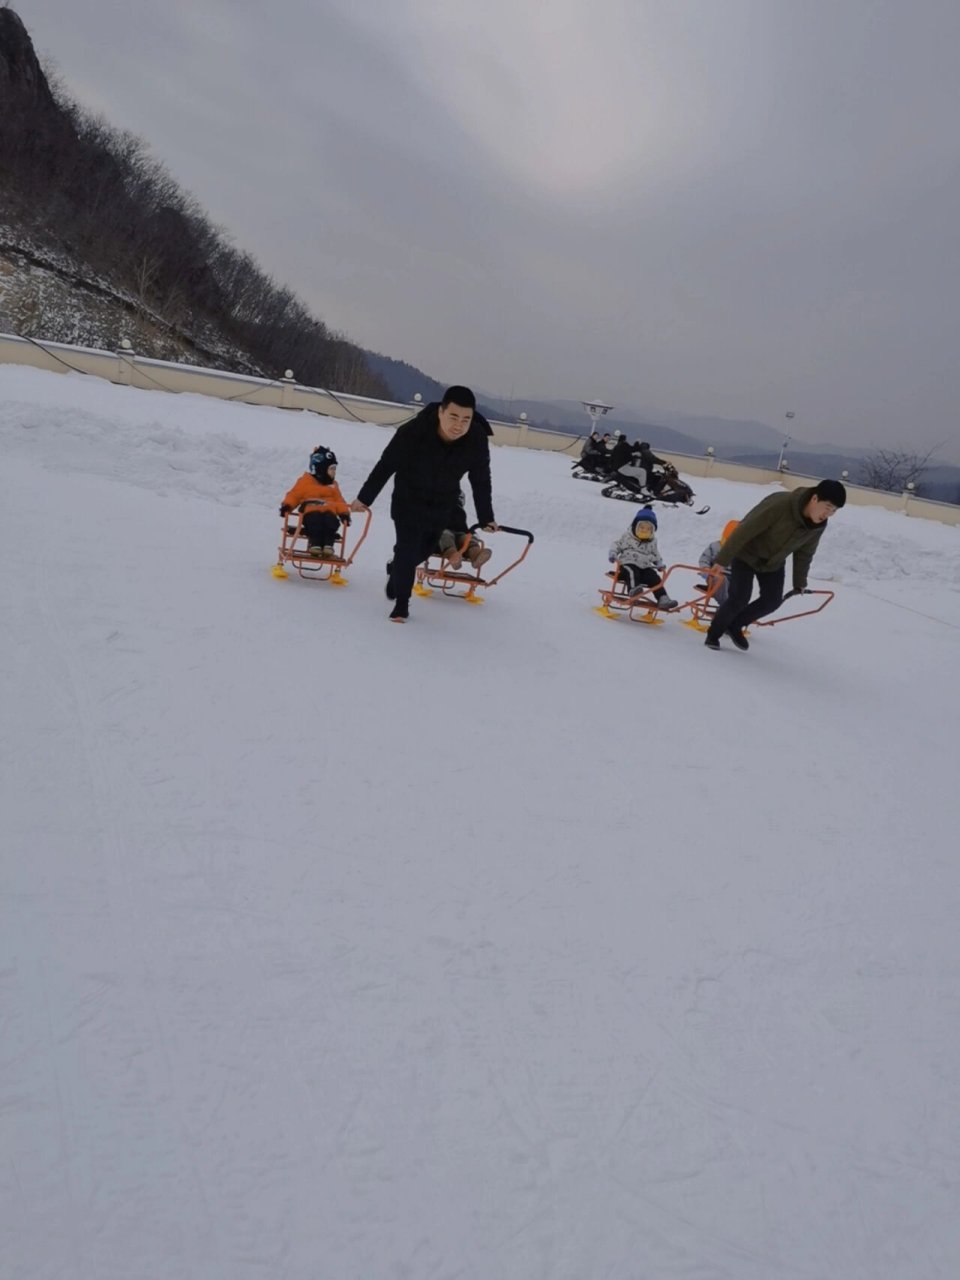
510	944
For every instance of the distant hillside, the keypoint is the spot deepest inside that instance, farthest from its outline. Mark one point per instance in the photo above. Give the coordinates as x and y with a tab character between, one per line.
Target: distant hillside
750	443
404	381
97	241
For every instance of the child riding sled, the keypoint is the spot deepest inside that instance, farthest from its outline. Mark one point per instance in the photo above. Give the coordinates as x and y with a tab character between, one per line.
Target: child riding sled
324	506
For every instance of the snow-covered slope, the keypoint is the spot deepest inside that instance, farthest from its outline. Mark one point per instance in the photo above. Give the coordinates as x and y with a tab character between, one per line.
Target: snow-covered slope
511	943
47	292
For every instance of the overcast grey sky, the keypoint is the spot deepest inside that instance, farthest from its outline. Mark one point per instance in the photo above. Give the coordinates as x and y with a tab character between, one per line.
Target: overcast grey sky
730	207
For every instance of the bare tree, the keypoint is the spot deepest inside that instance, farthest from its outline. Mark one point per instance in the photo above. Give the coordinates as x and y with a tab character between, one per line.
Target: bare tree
891	470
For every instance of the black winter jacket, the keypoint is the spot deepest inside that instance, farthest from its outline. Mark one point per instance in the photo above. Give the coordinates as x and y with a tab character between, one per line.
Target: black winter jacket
648	460
620	454
428	471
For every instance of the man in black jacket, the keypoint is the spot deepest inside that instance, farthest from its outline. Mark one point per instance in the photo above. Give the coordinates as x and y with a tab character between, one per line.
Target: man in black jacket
620	453
428	457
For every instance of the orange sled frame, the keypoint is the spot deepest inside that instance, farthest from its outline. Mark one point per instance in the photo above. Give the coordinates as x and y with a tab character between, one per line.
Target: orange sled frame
704	606
803	613
643	606
438	574
294	550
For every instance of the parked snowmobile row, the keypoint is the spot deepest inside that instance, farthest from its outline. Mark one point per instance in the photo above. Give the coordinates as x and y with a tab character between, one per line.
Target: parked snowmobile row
633	473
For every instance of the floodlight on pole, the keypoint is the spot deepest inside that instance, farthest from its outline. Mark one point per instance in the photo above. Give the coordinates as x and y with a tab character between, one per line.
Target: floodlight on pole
596	410
789	415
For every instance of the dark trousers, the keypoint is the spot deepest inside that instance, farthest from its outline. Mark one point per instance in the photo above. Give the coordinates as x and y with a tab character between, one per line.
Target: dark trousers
414	543
321	528
737	612
635	578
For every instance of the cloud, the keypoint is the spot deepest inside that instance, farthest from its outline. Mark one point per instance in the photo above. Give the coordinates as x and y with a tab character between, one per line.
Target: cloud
724	208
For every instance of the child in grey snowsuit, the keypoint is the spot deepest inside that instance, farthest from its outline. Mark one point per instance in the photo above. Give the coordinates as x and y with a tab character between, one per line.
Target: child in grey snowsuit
641	564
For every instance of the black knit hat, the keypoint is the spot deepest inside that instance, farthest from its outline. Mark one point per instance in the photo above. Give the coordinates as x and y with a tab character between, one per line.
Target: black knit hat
321	460
831	491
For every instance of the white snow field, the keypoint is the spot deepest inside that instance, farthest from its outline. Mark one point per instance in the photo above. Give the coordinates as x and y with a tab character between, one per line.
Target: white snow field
509	944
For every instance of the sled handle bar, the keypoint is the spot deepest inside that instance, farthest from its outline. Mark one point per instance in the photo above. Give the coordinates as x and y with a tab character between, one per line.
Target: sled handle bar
506	528
520	533
806	613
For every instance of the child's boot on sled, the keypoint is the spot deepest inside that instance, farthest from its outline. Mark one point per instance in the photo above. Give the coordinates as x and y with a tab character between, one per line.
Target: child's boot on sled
450	550
477	554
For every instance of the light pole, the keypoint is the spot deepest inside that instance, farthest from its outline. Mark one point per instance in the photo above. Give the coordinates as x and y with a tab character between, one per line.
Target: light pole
596	409
790	415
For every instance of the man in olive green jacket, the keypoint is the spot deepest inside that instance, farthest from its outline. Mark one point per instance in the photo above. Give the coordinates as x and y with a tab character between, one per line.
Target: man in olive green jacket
782	525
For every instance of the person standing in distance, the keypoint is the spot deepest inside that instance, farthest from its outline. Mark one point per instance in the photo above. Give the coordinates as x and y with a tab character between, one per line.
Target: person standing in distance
428	457
782	525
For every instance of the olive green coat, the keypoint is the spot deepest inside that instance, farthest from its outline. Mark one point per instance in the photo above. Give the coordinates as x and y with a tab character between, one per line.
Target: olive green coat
774	529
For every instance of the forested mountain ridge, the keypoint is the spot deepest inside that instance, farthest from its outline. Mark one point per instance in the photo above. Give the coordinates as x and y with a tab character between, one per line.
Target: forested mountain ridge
97	240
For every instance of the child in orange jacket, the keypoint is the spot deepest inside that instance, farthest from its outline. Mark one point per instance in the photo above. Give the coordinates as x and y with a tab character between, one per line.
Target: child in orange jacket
323	505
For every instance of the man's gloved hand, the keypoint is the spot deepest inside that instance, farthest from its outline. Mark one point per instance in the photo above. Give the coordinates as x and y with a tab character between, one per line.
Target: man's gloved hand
284	509
345	518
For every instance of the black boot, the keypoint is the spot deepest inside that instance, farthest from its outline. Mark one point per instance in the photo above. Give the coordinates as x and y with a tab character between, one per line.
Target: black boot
738	638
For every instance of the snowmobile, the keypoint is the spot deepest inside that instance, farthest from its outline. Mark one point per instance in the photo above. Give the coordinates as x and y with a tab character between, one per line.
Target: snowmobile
591	470
631	484
294	549
451	574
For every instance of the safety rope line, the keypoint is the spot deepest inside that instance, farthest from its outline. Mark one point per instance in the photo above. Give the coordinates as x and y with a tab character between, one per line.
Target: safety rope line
243	395
66	363
905	607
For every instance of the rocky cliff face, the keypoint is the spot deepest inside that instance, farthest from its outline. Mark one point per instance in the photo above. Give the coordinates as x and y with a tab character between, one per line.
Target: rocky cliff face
22	81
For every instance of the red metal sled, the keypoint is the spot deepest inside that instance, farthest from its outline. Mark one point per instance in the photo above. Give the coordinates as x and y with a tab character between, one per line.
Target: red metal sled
294	550
438	574
641	606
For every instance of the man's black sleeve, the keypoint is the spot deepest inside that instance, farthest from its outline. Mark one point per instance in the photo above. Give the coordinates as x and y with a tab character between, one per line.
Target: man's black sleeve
384	469
480	483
